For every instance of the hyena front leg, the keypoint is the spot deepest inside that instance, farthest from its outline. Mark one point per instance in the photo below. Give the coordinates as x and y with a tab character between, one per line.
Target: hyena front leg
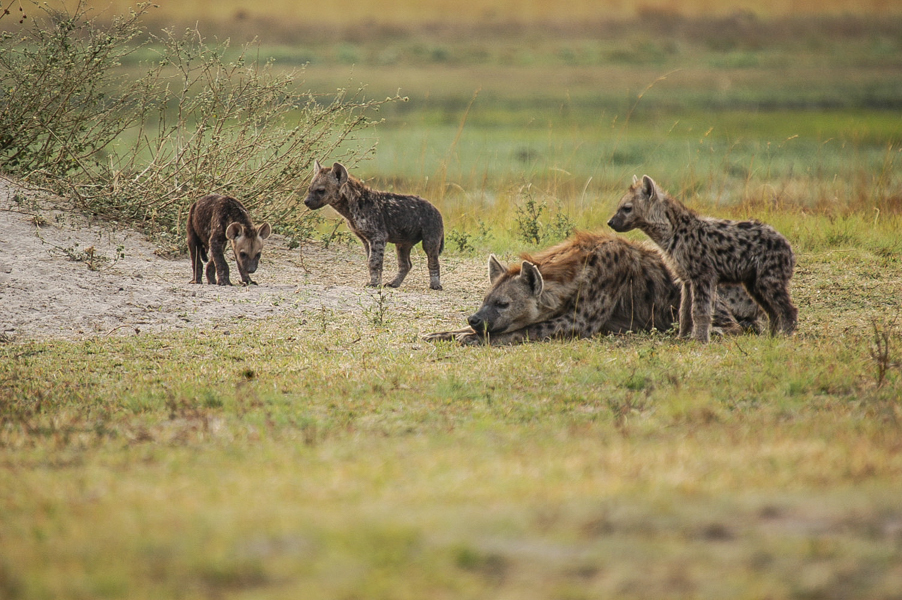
450	336
702	298
376	257
404	264
567	326
685	310
218	263
211	272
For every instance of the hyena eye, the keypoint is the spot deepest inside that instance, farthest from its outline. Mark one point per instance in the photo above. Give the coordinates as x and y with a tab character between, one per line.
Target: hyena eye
502	304
628	208
243	254
258	256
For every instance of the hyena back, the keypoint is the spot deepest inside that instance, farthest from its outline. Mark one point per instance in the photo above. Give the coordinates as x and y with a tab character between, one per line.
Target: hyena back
590	284
212	221
378	218
705	251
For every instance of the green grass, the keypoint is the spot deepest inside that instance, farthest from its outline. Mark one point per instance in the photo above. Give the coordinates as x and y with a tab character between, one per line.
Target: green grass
324	456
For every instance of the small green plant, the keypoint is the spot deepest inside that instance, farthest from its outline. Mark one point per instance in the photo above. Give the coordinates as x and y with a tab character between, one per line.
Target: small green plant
461	239
560	227
529	228
883	335
377	311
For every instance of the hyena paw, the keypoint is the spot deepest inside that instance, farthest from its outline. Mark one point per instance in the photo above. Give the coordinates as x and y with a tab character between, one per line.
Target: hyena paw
470	339
439	336
437	287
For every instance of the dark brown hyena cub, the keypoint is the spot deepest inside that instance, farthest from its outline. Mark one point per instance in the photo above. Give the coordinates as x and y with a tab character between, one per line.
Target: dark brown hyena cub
211	221
378	218
705	251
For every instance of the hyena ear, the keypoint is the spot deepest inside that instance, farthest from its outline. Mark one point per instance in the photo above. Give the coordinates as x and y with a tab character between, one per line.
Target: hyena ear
649	187
340	173
496	269
263	231
235	230
316	168
635	179
531	276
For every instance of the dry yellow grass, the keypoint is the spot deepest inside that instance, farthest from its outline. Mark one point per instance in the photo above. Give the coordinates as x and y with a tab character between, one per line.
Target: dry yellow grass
412	12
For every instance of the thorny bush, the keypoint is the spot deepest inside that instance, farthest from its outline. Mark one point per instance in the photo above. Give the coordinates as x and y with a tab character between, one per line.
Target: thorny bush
201	119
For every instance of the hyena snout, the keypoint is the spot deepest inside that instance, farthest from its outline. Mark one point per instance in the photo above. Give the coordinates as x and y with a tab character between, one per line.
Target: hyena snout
617	224
476	322
251	266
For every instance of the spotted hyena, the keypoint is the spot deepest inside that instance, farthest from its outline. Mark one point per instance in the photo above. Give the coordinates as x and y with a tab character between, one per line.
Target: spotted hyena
212	221
590	284
378	218
705	251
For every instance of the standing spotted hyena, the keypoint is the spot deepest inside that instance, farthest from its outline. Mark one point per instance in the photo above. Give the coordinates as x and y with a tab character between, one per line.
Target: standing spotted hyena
378	218
212	221
705	252
590	284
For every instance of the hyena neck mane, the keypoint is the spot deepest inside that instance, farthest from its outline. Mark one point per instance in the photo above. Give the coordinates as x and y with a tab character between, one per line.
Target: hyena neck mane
666	217
562	267
349	195
354	193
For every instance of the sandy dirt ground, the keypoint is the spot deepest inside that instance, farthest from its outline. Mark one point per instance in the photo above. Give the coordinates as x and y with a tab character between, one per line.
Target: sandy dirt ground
63	275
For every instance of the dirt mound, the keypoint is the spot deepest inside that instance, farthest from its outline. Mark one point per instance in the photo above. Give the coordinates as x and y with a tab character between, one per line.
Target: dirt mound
63	275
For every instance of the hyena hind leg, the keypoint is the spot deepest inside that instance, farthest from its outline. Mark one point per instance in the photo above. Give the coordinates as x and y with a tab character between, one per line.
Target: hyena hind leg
404	264
760	295
774	299
432	250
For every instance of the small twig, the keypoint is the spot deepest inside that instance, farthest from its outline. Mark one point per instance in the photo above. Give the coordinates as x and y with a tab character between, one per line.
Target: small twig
744	353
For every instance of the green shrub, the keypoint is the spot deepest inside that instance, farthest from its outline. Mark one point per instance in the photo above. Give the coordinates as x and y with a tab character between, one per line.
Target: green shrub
196	122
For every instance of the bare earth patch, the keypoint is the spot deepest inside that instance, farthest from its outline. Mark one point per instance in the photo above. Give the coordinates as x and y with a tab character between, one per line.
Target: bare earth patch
63	275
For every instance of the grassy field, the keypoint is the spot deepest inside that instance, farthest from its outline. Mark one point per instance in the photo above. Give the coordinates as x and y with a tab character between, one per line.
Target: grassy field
335	455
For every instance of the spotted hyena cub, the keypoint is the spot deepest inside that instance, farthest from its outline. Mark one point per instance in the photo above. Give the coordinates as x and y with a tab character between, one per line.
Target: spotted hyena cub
378	218
211	221
705	251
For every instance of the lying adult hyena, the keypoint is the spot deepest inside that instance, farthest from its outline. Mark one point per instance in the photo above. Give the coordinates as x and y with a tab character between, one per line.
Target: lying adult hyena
211	221
378	218
705	251
589	284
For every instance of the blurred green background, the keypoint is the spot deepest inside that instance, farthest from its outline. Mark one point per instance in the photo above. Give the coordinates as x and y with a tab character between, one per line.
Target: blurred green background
796	103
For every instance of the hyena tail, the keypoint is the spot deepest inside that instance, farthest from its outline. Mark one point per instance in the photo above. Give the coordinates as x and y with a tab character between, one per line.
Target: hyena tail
441	246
